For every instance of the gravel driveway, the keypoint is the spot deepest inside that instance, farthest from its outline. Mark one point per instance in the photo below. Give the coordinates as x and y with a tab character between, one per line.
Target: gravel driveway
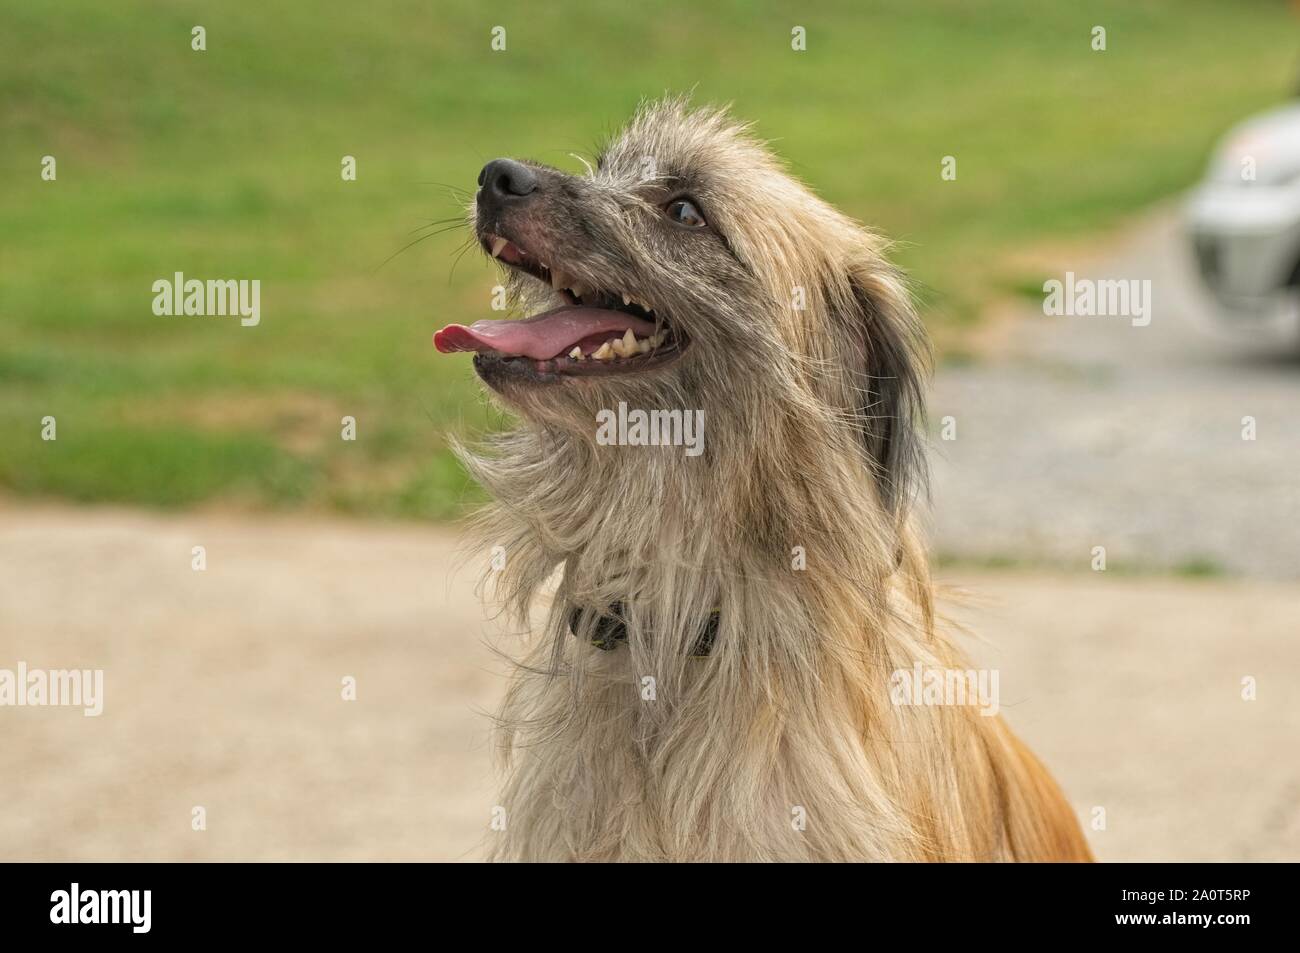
1090	431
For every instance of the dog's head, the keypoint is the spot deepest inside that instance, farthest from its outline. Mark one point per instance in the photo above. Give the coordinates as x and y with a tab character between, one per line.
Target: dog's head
688	270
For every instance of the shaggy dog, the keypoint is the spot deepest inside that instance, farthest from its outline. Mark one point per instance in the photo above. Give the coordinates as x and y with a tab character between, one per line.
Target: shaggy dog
716	678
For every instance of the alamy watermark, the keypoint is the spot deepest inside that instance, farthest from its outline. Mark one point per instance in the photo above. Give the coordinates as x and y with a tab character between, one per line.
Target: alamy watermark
918	685
216	296
651	428
54	688
1099	297
78	905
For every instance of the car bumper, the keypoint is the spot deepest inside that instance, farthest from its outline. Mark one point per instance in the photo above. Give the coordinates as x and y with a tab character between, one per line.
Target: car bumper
1247	245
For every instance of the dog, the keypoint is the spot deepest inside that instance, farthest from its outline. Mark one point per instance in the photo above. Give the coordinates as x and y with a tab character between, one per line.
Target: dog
715	676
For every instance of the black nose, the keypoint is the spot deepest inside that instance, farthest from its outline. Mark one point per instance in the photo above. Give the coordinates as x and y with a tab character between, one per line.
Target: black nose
505	180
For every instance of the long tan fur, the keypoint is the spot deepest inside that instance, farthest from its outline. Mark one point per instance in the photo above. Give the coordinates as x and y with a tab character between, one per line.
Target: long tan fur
809	363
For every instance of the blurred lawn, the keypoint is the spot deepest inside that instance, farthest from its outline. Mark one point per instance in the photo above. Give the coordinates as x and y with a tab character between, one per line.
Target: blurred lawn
225	164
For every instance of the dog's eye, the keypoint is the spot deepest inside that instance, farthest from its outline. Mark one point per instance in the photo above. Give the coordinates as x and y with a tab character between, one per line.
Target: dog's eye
684	212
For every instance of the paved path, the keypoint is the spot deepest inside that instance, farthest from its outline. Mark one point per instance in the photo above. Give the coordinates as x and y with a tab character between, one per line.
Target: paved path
1088	431
223	690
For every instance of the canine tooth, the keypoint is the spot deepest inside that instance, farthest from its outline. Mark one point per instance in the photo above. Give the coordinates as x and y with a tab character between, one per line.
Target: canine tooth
498	244
626	346
558	281
627	299
576	353
604	353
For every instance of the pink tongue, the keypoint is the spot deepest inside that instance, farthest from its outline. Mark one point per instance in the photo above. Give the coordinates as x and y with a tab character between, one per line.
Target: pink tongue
541	337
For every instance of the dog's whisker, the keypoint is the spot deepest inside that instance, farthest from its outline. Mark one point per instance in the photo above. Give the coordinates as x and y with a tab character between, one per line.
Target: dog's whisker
448	223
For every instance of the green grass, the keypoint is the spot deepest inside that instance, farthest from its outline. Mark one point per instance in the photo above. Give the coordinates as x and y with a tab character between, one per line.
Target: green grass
225	163
1193	567
1200	567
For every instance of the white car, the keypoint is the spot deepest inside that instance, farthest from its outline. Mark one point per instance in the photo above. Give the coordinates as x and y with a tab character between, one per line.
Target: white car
1244	222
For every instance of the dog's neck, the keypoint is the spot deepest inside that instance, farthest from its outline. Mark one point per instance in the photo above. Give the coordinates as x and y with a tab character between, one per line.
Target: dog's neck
674	537
814	613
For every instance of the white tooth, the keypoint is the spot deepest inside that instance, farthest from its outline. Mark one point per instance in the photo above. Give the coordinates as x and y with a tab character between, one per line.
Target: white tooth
627	299
578	289
558	281
629	343
497	245
604	353
643	345
576	354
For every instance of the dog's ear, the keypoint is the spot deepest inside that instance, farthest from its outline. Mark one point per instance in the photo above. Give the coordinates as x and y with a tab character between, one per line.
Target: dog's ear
892	367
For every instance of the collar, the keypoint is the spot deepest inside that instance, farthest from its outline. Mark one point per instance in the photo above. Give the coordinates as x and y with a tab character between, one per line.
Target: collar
611	630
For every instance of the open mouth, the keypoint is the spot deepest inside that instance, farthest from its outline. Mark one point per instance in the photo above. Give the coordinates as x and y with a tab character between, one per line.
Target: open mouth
594	333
